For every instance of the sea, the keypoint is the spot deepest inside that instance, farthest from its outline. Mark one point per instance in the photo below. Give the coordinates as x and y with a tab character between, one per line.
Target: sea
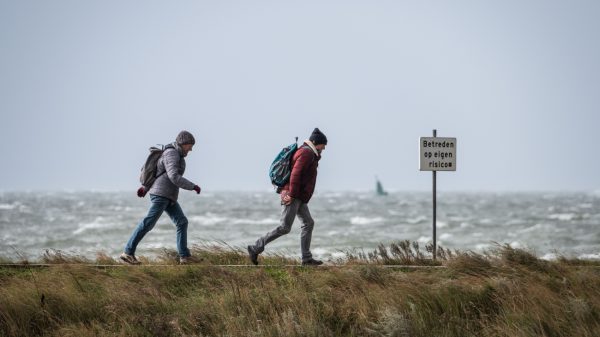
87	223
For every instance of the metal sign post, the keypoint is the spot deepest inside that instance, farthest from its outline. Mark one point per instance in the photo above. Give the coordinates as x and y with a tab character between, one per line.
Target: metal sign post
436	154
434	207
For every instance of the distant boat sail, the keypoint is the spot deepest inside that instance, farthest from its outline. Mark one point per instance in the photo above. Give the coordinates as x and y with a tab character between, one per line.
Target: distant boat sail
379	188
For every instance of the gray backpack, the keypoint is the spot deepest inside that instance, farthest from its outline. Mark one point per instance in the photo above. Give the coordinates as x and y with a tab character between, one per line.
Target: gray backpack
149	172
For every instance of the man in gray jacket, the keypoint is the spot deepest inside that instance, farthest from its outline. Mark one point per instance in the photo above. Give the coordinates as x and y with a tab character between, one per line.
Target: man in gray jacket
163	194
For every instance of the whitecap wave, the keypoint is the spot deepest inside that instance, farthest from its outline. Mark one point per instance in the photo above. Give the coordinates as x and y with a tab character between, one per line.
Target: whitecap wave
563	216
359	220
482	246
533	228
207	220
590	256
92	225
514	222
416	220
7	206
320	251
446	236
424	239
549	257
266	221
516	244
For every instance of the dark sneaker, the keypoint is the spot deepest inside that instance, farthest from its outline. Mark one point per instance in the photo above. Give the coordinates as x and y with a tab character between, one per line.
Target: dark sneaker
312	262
253	255
129	259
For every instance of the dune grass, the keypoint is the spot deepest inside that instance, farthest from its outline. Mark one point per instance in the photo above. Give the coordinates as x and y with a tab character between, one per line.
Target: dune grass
503	292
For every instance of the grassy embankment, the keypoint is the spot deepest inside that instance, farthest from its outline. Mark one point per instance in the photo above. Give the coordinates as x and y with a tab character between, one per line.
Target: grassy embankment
506	292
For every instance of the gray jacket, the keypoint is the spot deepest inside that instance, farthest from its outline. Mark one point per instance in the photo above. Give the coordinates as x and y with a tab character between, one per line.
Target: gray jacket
168	183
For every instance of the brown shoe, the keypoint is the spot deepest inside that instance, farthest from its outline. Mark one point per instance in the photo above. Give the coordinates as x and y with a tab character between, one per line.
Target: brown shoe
129	259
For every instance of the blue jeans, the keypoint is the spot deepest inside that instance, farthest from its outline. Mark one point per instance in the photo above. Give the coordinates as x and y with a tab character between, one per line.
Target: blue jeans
160	205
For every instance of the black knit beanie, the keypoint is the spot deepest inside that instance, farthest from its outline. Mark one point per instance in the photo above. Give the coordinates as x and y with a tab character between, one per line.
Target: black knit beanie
317	137
185	137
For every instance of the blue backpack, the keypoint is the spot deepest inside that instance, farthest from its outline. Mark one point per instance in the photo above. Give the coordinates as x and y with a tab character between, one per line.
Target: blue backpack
281	168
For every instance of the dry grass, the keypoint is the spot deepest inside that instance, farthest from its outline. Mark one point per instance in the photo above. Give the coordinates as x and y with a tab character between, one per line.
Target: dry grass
505	292
398	253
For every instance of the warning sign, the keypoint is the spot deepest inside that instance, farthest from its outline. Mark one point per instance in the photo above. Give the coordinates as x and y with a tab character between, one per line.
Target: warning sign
437	154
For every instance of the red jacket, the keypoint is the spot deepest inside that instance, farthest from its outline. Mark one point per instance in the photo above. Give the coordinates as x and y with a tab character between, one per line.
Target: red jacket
304	174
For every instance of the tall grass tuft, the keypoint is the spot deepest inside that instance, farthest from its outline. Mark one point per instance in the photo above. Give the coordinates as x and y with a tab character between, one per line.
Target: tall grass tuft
53	256
398	253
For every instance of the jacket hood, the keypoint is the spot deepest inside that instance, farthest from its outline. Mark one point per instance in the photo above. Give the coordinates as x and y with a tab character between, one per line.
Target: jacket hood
178	148
312	147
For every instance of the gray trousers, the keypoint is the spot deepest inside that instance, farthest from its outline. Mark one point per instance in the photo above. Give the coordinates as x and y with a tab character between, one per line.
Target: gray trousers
288	214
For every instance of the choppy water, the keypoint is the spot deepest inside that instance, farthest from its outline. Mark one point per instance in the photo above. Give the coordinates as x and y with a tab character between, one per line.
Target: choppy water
86	223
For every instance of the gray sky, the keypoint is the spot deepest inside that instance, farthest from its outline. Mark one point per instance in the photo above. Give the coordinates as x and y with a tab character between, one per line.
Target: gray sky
87	86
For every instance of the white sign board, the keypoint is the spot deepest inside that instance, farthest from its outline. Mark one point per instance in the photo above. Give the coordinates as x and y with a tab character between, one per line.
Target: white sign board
437	154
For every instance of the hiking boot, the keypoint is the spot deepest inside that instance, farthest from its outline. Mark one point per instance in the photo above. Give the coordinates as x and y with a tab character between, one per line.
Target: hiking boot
253	255
312	262
129	258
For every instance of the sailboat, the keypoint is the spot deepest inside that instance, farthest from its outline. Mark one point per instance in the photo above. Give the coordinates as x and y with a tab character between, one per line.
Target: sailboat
379	188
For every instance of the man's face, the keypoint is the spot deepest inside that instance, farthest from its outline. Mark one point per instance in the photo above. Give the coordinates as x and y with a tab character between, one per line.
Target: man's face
320	148
186	148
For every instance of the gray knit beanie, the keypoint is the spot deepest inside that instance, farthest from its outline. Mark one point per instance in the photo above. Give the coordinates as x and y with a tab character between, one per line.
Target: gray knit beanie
185	137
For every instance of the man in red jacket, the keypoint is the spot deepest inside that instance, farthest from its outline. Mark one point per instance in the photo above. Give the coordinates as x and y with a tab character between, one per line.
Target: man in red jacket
294	199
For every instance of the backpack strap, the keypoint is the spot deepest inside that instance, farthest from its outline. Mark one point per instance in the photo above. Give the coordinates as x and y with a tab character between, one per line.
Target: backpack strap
314	155
165	148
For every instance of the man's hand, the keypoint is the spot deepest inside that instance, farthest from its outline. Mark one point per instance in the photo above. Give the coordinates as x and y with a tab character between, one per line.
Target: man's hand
287	200
197	189
141	192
